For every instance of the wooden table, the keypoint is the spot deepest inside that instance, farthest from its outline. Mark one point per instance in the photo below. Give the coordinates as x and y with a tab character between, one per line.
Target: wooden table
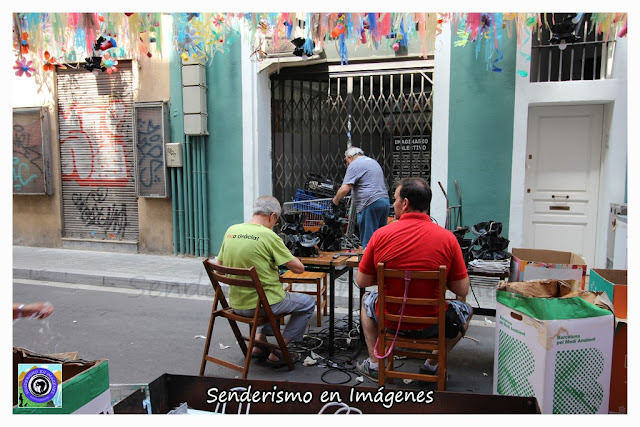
336	267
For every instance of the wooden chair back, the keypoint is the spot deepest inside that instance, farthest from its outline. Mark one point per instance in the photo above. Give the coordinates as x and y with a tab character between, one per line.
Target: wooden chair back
411	347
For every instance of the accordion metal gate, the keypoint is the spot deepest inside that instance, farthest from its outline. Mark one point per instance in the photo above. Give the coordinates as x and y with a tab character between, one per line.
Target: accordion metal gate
315	115
95	116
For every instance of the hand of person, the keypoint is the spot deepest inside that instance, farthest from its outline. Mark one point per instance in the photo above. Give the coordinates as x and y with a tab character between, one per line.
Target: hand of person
39	310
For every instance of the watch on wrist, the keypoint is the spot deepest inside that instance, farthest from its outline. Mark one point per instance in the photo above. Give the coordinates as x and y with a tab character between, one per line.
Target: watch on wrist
20	307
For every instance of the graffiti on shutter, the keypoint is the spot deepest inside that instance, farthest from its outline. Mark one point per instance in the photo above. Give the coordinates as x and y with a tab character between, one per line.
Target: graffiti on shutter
95	114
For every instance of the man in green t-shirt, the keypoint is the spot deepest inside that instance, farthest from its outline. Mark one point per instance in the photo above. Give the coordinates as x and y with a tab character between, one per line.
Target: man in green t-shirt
254	244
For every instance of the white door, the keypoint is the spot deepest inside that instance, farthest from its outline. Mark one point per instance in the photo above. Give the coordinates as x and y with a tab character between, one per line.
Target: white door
562	178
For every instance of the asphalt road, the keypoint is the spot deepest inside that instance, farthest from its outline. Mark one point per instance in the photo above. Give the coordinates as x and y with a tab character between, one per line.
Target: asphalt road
145	335
142	336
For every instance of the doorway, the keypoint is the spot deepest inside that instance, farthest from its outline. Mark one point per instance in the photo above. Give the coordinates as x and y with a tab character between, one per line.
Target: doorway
562	178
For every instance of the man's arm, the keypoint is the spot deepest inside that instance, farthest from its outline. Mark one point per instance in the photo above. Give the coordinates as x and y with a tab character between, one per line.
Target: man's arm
342	191
459	287
365	280
295	265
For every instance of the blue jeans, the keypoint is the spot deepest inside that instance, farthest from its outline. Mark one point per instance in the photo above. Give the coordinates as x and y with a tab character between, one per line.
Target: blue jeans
371	218
300	306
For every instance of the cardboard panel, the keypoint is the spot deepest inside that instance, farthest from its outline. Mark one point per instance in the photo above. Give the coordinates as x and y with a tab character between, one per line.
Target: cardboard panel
614	283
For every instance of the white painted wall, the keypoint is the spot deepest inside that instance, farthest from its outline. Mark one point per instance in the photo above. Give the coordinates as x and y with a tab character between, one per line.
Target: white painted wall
612	93
256	131
440	124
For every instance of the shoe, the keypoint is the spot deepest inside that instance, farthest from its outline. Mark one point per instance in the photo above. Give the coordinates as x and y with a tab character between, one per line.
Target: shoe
365	370
281	361
426	371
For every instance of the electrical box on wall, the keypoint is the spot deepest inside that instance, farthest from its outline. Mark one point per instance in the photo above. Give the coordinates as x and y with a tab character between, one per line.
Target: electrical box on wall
174	154
193	75
194	100
195	124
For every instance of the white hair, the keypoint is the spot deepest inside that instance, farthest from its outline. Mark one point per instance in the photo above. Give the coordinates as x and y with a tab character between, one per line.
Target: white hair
353	151
266	205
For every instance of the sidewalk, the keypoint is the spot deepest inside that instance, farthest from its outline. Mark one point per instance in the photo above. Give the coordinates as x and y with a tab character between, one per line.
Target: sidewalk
175	274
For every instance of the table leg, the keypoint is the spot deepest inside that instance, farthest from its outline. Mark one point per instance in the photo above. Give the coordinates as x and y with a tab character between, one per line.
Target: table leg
350	315
332	298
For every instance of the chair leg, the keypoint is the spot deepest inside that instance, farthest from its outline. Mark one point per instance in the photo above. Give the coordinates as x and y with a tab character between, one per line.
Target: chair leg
283	346
207	343
326	287
247	359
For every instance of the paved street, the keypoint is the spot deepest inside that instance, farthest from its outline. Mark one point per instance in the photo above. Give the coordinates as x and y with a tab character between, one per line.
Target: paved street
144	336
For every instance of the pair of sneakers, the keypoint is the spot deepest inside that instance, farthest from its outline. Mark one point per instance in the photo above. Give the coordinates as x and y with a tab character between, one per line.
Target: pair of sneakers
365	369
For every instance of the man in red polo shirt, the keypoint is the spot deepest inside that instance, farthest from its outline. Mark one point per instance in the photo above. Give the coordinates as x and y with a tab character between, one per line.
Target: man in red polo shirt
413	242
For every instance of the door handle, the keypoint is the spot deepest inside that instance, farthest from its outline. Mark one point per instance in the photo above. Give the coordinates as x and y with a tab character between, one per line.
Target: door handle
559	208
553	196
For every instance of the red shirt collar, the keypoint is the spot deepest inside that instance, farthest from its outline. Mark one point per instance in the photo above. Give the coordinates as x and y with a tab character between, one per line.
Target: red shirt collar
415	215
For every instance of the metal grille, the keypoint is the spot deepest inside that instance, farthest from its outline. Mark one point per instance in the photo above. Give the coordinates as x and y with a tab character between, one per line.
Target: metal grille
387	114
591	58
95	115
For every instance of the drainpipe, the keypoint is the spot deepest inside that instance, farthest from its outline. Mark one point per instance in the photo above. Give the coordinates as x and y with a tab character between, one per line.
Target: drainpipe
174	206
196	195
180	208
203	219
187	201
194	108
205	200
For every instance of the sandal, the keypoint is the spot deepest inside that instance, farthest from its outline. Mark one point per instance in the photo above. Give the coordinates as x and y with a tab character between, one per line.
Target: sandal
281	361
261	355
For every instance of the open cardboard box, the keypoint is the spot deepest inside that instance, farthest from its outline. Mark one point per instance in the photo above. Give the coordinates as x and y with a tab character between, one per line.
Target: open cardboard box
554	342
614	283
541	264
85	383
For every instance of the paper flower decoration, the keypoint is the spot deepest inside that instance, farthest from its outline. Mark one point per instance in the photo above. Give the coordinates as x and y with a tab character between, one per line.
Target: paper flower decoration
25	43
49	62
109	63
23	67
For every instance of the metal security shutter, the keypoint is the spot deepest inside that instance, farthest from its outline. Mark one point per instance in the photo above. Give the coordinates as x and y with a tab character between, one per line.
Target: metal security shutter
386	110
95	114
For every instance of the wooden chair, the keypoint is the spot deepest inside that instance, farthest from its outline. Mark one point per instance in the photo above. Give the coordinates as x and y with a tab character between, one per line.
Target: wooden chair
420	348
220	274
317	278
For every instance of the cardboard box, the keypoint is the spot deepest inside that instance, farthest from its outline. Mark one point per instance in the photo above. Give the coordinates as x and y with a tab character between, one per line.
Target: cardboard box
554	343
618	388
614	283
85	384
541	264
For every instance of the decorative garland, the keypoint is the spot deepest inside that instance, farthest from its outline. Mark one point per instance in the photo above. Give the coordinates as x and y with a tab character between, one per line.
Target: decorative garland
43	41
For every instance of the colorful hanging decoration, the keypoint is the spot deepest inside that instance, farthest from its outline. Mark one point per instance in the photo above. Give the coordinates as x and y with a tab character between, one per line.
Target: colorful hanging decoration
70	37
23	67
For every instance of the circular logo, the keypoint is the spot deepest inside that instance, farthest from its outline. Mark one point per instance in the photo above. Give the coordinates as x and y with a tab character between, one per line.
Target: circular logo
39	385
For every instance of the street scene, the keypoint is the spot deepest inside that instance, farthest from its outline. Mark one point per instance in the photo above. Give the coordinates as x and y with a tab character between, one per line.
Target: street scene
309	213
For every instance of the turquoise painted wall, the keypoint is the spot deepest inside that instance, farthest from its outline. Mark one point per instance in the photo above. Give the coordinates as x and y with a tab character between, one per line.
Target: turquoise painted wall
481	132
224	153
224	143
